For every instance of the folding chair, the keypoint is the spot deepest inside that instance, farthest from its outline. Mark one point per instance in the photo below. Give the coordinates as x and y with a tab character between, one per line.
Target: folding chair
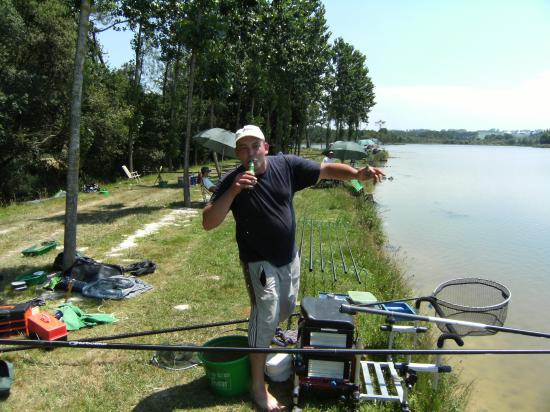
206	195
131	175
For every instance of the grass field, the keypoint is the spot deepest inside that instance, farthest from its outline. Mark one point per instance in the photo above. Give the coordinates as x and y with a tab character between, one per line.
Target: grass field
197	269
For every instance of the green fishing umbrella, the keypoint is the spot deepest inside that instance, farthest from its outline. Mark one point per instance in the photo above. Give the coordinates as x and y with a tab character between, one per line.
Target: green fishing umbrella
347	151
218	140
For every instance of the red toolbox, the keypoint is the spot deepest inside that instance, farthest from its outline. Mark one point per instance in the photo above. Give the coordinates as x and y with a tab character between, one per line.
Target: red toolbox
46	326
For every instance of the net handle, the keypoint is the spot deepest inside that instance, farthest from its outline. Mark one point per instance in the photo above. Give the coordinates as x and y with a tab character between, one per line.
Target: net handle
353	309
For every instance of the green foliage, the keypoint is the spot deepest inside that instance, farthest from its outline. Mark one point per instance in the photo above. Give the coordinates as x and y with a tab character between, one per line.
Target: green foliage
458	136
105	119
261	62
352	96
545	138
33	91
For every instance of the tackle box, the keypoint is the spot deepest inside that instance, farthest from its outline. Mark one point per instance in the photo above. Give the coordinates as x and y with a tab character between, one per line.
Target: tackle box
13	317
46	327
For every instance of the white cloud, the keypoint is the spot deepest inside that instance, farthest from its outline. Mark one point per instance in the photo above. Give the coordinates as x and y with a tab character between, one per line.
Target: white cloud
523	105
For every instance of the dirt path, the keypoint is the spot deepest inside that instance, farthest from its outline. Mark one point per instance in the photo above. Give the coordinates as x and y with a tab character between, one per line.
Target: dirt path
185	216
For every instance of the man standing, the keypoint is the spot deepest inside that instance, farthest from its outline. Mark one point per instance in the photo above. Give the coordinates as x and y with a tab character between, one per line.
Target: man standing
261	203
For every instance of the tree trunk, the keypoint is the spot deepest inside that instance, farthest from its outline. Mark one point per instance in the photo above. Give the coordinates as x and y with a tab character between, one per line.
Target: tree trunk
200	120
214	154
173	137
267	130
238	116
186	191
165	81
135	90
327	135
97	49
71	203
252	104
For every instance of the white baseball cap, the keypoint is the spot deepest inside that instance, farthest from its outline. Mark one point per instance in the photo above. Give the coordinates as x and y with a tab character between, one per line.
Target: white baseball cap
249	130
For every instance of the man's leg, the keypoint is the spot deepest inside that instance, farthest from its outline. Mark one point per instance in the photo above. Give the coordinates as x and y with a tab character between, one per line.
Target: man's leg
259	392
262	285
289	281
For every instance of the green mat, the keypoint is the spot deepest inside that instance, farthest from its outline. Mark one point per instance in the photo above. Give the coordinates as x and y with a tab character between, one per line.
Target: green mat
361	297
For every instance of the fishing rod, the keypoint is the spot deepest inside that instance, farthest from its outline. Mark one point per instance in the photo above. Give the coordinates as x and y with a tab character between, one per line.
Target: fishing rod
295	351
341	252
321	247
384	302
352	309
352	259
332	256
145	333
302	239
311	247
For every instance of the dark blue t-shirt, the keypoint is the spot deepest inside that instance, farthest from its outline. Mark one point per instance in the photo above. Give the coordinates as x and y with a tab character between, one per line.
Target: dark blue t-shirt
266	224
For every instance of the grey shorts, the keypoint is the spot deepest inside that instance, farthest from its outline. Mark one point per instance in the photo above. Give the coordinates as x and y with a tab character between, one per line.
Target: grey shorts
273	293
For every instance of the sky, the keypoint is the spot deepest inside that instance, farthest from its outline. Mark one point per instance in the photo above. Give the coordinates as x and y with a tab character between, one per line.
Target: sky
441	64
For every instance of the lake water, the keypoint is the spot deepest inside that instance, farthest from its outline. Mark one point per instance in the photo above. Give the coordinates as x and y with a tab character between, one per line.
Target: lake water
479	211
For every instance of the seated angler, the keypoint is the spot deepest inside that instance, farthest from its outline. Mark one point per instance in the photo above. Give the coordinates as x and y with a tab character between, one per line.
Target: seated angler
205	180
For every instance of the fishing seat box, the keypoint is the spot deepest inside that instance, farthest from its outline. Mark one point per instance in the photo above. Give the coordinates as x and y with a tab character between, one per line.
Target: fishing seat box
46	327
323	326
13	317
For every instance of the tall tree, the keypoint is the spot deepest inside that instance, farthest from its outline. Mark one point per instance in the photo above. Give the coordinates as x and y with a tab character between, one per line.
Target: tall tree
140	15
197	29
71	207
352	96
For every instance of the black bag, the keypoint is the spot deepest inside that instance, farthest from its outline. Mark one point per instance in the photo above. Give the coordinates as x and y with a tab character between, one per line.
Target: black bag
140	268
58	262
86	270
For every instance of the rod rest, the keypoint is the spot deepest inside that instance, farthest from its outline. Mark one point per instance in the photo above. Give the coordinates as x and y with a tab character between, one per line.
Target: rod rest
403	329
422	367
444	336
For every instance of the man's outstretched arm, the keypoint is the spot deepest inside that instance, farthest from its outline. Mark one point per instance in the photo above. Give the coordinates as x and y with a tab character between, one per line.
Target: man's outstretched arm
341	171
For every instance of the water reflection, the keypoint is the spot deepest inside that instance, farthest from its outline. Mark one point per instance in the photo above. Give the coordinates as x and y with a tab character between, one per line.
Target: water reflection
461	211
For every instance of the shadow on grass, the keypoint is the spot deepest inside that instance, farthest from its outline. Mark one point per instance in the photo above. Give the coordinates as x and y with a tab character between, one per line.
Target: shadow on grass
194	205
198	395
193	395
105	214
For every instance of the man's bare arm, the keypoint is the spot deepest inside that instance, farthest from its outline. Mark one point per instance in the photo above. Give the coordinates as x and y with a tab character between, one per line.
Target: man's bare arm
341	171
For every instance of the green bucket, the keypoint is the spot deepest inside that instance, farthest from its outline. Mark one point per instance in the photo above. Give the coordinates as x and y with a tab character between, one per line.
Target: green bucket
228	372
